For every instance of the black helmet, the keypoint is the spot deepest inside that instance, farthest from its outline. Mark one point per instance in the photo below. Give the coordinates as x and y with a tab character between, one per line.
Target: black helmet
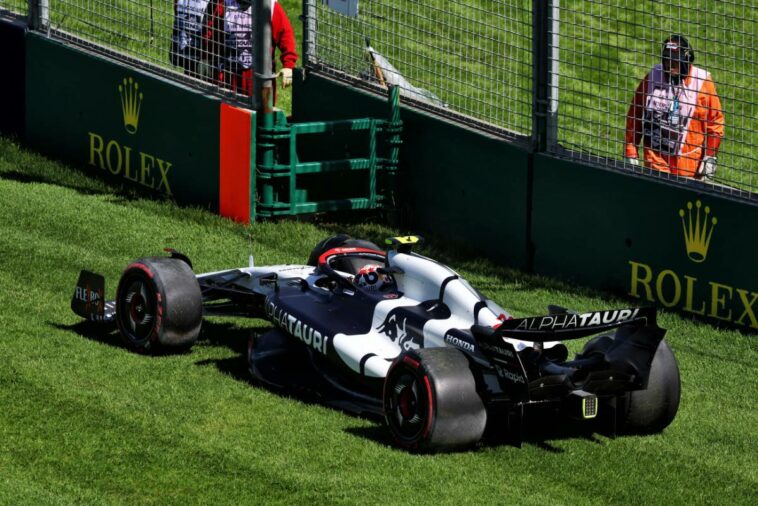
677	48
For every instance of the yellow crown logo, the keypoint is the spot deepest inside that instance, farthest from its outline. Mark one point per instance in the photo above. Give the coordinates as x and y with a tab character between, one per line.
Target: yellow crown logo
131	101
697	232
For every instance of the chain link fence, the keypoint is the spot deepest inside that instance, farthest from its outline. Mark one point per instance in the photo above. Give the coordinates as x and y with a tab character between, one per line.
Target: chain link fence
607	48
566	71
180	39
138	32
467	59
15	6
474	59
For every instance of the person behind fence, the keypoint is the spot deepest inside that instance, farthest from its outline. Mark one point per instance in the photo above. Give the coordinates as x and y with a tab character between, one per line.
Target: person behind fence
232	38
676	113
188	38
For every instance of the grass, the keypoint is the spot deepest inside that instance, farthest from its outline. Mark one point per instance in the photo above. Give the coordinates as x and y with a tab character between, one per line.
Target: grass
86	421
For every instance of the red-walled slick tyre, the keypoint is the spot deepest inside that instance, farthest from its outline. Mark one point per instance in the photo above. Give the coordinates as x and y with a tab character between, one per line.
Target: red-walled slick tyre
158	305
431	403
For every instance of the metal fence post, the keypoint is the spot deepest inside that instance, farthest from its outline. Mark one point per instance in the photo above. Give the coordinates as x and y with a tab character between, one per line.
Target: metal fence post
554	9
39	14
263	97
540	74
309	31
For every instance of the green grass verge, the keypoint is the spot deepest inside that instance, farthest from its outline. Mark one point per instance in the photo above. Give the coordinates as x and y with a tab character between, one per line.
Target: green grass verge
84	421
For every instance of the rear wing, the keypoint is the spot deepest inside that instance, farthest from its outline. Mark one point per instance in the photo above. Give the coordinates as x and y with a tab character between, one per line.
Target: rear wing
89	301
568	325
631	352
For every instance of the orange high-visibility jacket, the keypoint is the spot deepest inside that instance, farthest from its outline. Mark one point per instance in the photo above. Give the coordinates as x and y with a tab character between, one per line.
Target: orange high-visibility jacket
672	143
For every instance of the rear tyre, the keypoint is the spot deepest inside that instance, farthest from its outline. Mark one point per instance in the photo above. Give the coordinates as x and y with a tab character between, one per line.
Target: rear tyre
339	241
158	304
431	403
653	409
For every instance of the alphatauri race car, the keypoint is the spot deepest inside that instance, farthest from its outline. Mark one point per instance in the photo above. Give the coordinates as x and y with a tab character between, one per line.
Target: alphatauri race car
393	333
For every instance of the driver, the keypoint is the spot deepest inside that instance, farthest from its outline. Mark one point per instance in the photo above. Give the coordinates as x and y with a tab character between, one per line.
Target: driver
370	277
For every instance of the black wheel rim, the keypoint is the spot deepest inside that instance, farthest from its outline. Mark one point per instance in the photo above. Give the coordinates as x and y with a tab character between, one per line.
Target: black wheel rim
138	310
407	411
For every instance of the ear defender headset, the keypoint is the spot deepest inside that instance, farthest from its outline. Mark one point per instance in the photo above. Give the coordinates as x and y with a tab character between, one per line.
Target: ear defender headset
677	48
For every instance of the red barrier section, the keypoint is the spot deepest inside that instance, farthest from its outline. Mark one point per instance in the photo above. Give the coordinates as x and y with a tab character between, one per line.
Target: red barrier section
234	161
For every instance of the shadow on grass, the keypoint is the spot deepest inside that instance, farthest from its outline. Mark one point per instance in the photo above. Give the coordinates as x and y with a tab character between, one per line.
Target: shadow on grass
94	186
22	177
105	334
211	334
236	339
542	438
540	430
544	431
228	335
108	334
87	182
377	433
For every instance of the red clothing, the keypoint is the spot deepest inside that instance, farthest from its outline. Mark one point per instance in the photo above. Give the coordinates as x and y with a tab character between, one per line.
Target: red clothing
675	146
230	39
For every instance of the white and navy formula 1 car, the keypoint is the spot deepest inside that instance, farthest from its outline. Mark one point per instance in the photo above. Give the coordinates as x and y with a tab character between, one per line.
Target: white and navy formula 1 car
398	334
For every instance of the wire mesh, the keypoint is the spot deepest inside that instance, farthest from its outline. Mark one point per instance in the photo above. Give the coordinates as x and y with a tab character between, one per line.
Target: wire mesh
472	60
199	42
465	58
138	31
15	6
608	47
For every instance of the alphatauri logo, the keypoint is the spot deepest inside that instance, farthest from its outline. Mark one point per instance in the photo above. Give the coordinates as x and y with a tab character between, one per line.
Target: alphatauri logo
698	230
131	104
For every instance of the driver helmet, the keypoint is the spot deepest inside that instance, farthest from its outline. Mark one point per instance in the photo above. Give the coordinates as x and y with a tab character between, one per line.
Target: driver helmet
370	278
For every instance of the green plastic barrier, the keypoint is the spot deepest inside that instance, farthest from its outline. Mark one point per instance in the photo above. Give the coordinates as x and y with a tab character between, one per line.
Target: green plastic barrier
283	178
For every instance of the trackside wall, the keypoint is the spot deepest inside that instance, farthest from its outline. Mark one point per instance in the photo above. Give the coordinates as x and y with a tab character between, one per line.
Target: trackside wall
122	123
638	237
688	251
12	84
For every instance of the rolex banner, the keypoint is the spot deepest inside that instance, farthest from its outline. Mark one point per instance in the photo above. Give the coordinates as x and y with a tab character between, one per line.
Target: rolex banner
651	240
123	124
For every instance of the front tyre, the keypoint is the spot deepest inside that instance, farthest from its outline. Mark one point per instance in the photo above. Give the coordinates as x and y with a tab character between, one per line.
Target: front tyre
431	403
158	304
